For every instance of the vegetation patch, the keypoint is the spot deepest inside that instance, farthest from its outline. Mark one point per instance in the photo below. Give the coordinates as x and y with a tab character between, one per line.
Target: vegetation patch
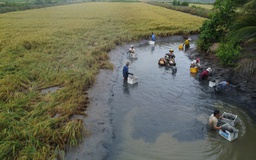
232	24
64	46
206	6
228	53
184	7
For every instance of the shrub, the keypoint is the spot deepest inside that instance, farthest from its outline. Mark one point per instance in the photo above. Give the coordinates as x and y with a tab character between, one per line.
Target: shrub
228	53
174	2
184	4
208	35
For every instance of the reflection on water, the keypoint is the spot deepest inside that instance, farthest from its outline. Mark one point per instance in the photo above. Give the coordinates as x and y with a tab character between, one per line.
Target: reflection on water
152	49
127	86
164	116
171	69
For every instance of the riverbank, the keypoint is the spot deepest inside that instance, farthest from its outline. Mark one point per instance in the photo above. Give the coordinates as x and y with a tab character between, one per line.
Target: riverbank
99	121
246	86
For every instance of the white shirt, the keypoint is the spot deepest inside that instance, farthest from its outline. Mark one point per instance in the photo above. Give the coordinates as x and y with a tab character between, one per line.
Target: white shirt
213	121
194	63
132	50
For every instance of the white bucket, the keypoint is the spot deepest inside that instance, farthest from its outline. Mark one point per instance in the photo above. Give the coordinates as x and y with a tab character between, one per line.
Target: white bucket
132	79
211	84
151	42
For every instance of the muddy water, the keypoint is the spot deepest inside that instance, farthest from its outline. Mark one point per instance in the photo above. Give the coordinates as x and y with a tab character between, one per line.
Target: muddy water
165	115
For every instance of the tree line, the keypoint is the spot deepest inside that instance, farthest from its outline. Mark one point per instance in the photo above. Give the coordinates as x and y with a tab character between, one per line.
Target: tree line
18	2
179	3
17	5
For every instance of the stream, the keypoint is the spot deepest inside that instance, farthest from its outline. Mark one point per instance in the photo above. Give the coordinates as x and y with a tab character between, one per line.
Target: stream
165	115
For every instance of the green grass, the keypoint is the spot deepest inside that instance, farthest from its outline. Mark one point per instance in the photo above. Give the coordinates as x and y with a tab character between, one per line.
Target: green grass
206	6
64	46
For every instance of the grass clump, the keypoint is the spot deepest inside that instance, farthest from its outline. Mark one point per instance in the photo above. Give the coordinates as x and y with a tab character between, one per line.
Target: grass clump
64	46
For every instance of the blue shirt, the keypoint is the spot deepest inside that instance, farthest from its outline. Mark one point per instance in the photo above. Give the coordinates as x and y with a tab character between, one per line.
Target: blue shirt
153	37
125	71
222	85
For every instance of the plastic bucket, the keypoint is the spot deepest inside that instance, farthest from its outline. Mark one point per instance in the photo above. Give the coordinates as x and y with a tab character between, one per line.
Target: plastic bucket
193	70
211	84
151	42
180	47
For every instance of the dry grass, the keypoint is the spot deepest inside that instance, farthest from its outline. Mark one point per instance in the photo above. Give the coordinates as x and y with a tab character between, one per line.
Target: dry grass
64	46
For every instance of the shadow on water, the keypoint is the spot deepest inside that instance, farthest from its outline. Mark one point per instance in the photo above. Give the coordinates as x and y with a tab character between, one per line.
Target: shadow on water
127	87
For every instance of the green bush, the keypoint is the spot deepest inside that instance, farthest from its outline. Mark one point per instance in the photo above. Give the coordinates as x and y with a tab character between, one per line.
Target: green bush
228	53
174	2
184	4
208	35
216	28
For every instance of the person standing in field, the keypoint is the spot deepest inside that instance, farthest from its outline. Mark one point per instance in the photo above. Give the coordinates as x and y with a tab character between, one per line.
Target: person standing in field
153	38
126	71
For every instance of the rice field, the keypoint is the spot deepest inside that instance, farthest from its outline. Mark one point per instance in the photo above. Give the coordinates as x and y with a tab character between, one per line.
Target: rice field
65	46
206	6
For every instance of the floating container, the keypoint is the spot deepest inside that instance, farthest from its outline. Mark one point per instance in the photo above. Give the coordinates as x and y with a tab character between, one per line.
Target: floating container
193	70
229	118
132	79
230	133
161	62
151	42
180	47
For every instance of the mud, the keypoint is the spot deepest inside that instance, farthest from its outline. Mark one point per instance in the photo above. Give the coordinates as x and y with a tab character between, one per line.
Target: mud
99	120
245	84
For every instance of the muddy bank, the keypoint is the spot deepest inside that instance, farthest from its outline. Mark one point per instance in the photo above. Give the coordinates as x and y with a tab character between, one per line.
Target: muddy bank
98	121
246	84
